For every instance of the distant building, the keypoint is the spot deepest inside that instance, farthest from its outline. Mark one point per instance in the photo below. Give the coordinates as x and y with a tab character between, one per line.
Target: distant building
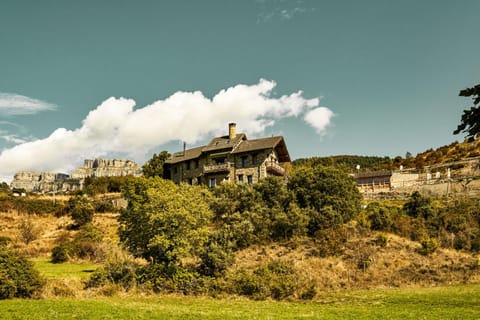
229	158
385	180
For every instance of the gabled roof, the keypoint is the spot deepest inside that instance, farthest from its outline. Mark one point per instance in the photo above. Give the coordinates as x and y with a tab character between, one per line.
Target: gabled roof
238	145
276	143
189	154
220	143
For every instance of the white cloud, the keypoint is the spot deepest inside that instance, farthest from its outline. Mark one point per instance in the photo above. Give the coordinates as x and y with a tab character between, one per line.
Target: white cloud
271	10
319	118
15	104
115	127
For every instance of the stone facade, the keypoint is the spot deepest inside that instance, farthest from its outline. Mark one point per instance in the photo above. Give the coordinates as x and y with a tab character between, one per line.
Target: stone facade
48	182
229	158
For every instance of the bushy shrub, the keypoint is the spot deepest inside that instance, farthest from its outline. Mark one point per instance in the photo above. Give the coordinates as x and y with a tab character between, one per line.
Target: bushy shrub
18	278
216	258
170	278
103	206
61	253
277	280
81	210
85	245
330	242
120	272
428	247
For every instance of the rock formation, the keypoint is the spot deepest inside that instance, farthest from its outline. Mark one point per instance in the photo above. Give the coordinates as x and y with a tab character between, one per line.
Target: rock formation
48	182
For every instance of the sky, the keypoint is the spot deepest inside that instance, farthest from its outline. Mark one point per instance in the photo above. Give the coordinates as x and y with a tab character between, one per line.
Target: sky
126	79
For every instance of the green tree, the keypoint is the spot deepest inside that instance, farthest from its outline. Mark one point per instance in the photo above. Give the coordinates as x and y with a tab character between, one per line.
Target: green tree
329	195
81	210
18	277
164	222
419	206
4	188
154	166
470	122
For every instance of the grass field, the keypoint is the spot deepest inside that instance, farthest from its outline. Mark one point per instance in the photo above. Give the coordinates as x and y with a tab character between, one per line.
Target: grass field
65	270
455	302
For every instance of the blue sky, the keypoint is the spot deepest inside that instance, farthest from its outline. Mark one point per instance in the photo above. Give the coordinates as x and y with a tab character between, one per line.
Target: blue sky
373	77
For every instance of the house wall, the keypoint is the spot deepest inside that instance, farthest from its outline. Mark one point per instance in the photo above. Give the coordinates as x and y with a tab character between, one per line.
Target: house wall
253	164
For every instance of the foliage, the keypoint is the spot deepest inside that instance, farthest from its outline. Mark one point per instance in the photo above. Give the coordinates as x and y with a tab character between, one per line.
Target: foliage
366	163
28	230
470	122
329	195
164	222
419	206
99	185
428	247
277	280
30	205
154	166
85	245
4	187
216	257
260	213
81	210
18	278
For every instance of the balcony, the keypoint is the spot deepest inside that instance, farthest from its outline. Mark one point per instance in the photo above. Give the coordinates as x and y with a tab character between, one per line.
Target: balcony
275	169
221	167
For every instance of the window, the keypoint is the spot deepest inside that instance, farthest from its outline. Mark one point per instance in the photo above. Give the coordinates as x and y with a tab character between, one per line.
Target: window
196	164
188	165
240	178
250	179
212	182
244	161
175	170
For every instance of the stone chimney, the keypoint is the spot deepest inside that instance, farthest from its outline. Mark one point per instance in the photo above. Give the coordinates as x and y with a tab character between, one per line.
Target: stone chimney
232	131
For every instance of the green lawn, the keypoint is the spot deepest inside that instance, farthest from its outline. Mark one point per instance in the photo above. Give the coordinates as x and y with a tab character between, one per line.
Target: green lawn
67	270
456	302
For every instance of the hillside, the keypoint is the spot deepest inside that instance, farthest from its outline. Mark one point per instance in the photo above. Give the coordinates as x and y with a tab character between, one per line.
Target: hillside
448	153
366	260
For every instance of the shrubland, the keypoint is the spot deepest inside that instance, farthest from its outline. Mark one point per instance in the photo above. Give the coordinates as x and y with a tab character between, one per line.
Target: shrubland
275	239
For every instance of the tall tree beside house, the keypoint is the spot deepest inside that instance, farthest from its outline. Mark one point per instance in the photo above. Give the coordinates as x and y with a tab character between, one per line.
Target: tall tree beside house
328	195
470	122
154	166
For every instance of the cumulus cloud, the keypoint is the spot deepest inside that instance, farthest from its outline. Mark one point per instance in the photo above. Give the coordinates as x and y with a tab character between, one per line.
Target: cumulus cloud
15	104
319	118
117	127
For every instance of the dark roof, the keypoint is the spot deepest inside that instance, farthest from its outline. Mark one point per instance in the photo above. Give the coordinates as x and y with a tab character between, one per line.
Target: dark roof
276	143
189	154
239	144
220	143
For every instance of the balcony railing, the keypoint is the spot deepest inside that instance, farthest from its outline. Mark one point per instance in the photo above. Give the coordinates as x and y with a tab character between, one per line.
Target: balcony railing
221	167
275	168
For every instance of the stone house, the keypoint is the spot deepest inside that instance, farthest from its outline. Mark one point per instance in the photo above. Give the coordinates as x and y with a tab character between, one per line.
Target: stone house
229	158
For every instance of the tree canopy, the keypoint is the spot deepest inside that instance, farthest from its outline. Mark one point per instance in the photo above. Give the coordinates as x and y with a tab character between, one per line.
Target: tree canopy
470	122
154	166
164	222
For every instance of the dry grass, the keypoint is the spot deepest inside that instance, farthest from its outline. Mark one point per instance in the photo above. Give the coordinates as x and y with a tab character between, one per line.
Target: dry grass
50	230
395	265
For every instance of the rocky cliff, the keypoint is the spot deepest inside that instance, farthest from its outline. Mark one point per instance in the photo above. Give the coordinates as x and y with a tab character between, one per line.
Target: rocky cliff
48	182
